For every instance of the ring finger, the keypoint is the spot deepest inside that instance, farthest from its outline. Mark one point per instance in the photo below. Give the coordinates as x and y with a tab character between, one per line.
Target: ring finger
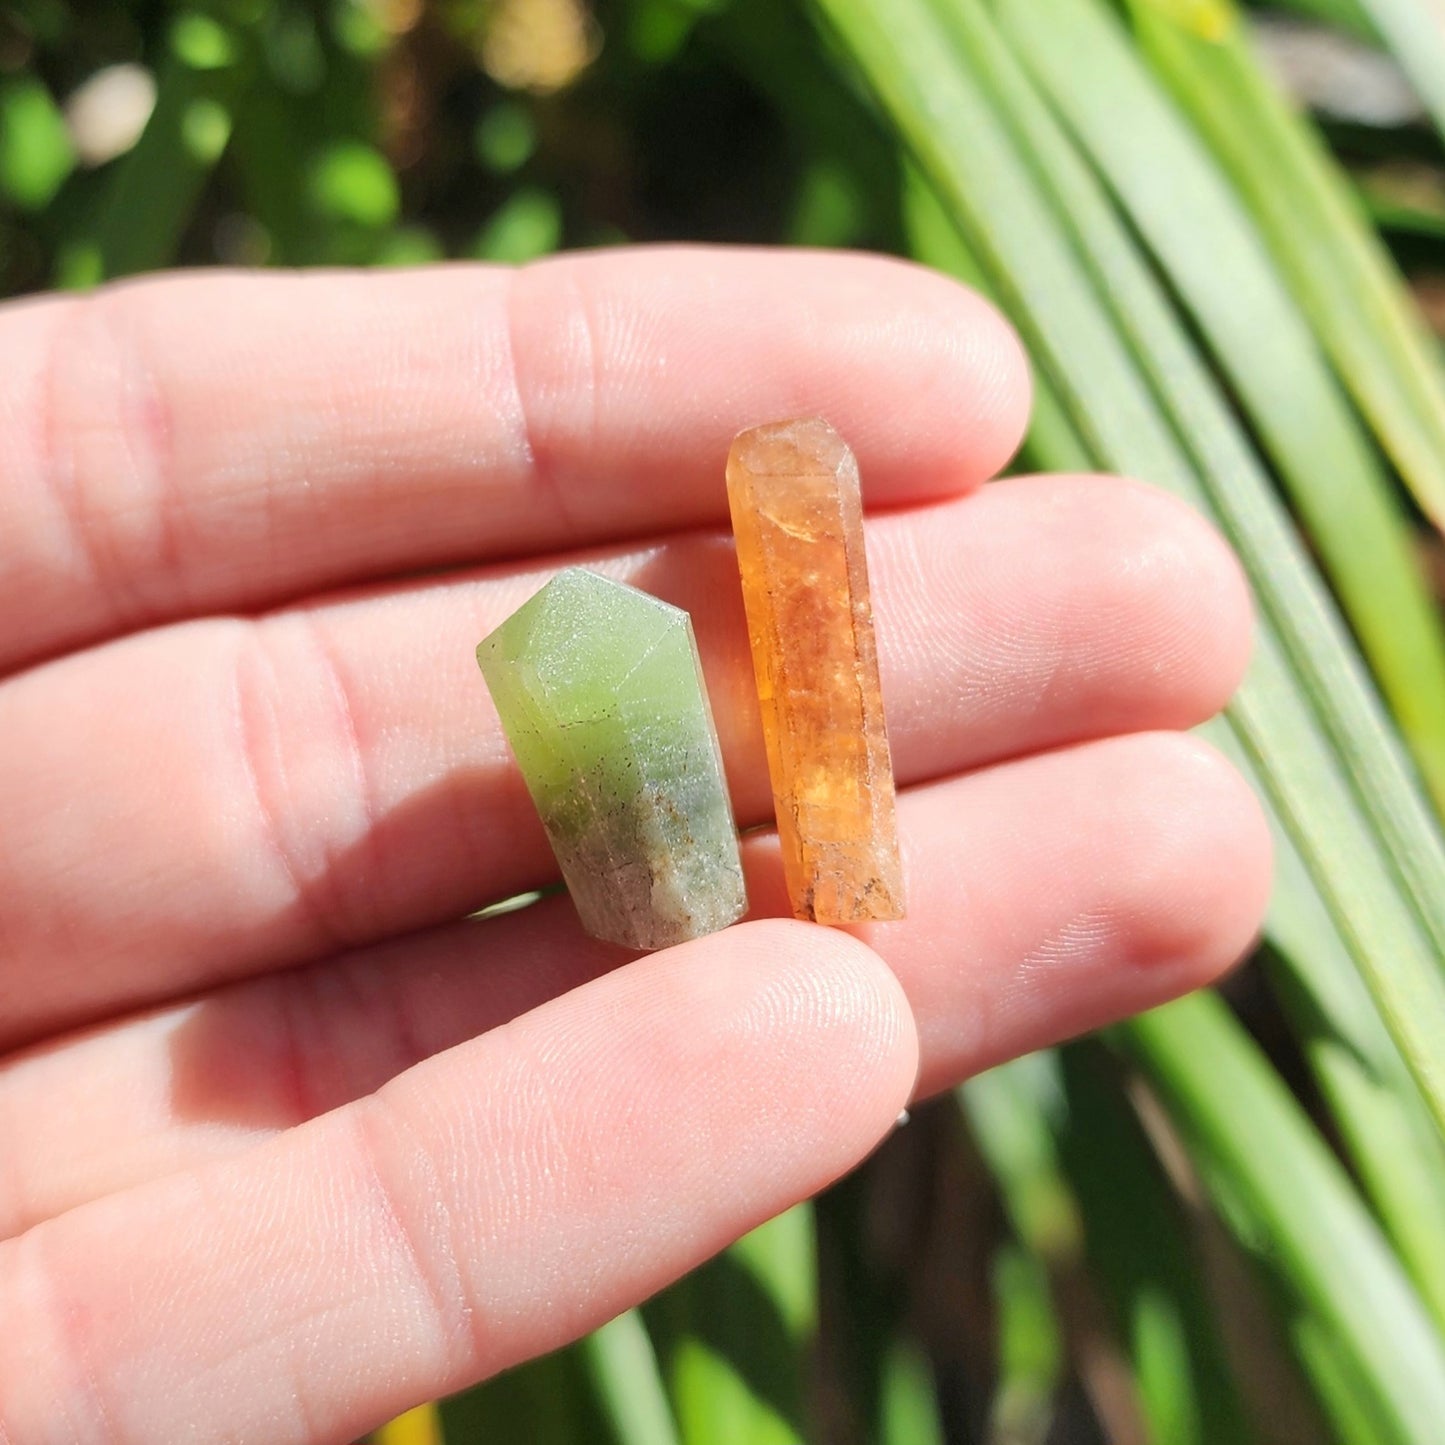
1045	897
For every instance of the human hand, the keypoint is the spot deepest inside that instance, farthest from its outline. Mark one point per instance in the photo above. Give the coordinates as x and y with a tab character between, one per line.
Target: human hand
284	1146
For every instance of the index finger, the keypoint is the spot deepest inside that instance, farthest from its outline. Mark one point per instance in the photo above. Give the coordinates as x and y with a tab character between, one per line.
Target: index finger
221	441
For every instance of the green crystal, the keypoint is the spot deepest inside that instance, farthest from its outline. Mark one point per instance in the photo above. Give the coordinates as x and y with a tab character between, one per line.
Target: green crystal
601	695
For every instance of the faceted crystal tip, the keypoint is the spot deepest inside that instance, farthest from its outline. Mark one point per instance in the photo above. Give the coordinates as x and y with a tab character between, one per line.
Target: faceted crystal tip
600	693
798	519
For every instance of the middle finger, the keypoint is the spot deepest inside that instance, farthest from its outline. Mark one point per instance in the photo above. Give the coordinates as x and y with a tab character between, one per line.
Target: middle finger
266	792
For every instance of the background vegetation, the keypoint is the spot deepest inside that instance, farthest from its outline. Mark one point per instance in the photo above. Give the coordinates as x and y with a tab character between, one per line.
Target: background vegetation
1223	237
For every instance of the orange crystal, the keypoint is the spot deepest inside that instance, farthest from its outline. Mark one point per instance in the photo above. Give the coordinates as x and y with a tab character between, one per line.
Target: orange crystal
798	518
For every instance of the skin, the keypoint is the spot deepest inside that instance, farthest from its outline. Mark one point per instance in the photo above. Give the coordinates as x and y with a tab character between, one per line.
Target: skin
284	1146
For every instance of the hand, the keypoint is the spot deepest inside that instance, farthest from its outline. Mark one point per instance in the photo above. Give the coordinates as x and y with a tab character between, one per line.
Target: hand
284	1146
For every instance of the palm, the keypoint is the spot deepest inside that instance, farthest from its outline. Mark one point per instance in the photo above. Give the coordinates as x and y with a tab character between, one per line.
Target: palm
270	1164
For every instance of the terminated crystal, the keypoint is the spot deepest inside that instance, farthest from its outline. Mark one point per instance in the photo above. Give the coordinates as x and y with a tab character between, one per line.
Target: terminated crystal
601	696
798	518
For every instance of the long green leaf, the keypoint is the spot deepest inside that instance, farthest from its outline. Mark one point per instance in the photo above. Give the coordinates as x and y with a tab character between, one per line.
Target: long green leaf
1376	1104
732	1338
1010	1111
625	1374
1286	1195
1358	1065
1337	1379
1075	1173
1315	225
1036	1273
910	1404
1138	1240
1381	1117
1221	472
919	67
1030	1348
992	194
1225	462
1199	230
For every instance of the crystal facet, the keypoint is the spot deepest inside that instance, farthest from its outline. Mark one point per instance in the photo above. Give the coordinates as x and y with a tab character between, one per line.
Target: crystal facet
601	695
798	517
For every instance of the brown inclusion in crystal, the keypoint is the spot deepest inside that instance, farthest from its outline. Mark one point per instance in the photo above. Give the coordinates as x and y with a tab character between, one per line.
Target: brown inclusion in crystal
798	518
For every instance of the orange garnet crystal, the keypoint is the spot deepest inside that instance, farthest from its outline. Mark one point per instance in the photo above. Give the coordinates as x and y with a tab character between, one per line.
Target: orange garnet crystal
798	517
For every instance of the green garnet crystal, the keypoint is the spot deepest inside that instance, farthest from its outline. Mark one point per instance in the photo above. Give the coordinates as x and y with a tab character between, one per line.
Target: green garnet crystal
601	696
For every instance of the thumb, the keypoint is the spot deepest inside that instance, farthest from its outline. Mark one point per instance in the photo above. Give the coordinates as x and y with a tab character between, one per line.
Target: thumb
485	1206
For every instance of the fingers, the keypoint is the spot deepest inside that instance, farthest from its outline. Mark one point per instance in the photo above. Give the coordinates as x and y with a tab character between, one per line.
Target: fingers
1045	897
267	794
206	443
485	1207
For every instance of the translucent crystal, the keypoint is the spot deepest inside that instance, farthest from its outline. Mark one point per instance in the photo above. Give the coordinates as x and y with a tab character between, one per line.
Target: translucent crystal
798	518
601	695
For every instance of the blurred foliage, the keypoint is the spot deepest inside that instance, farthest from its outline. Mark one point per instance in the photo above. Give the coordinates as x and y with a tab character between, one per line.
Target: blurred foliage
394	132
1223	1223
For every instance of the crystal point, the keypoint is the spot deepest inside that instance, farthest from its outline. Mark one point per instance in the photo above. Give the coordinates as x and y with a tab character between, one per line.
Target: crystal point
798	518
600	693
